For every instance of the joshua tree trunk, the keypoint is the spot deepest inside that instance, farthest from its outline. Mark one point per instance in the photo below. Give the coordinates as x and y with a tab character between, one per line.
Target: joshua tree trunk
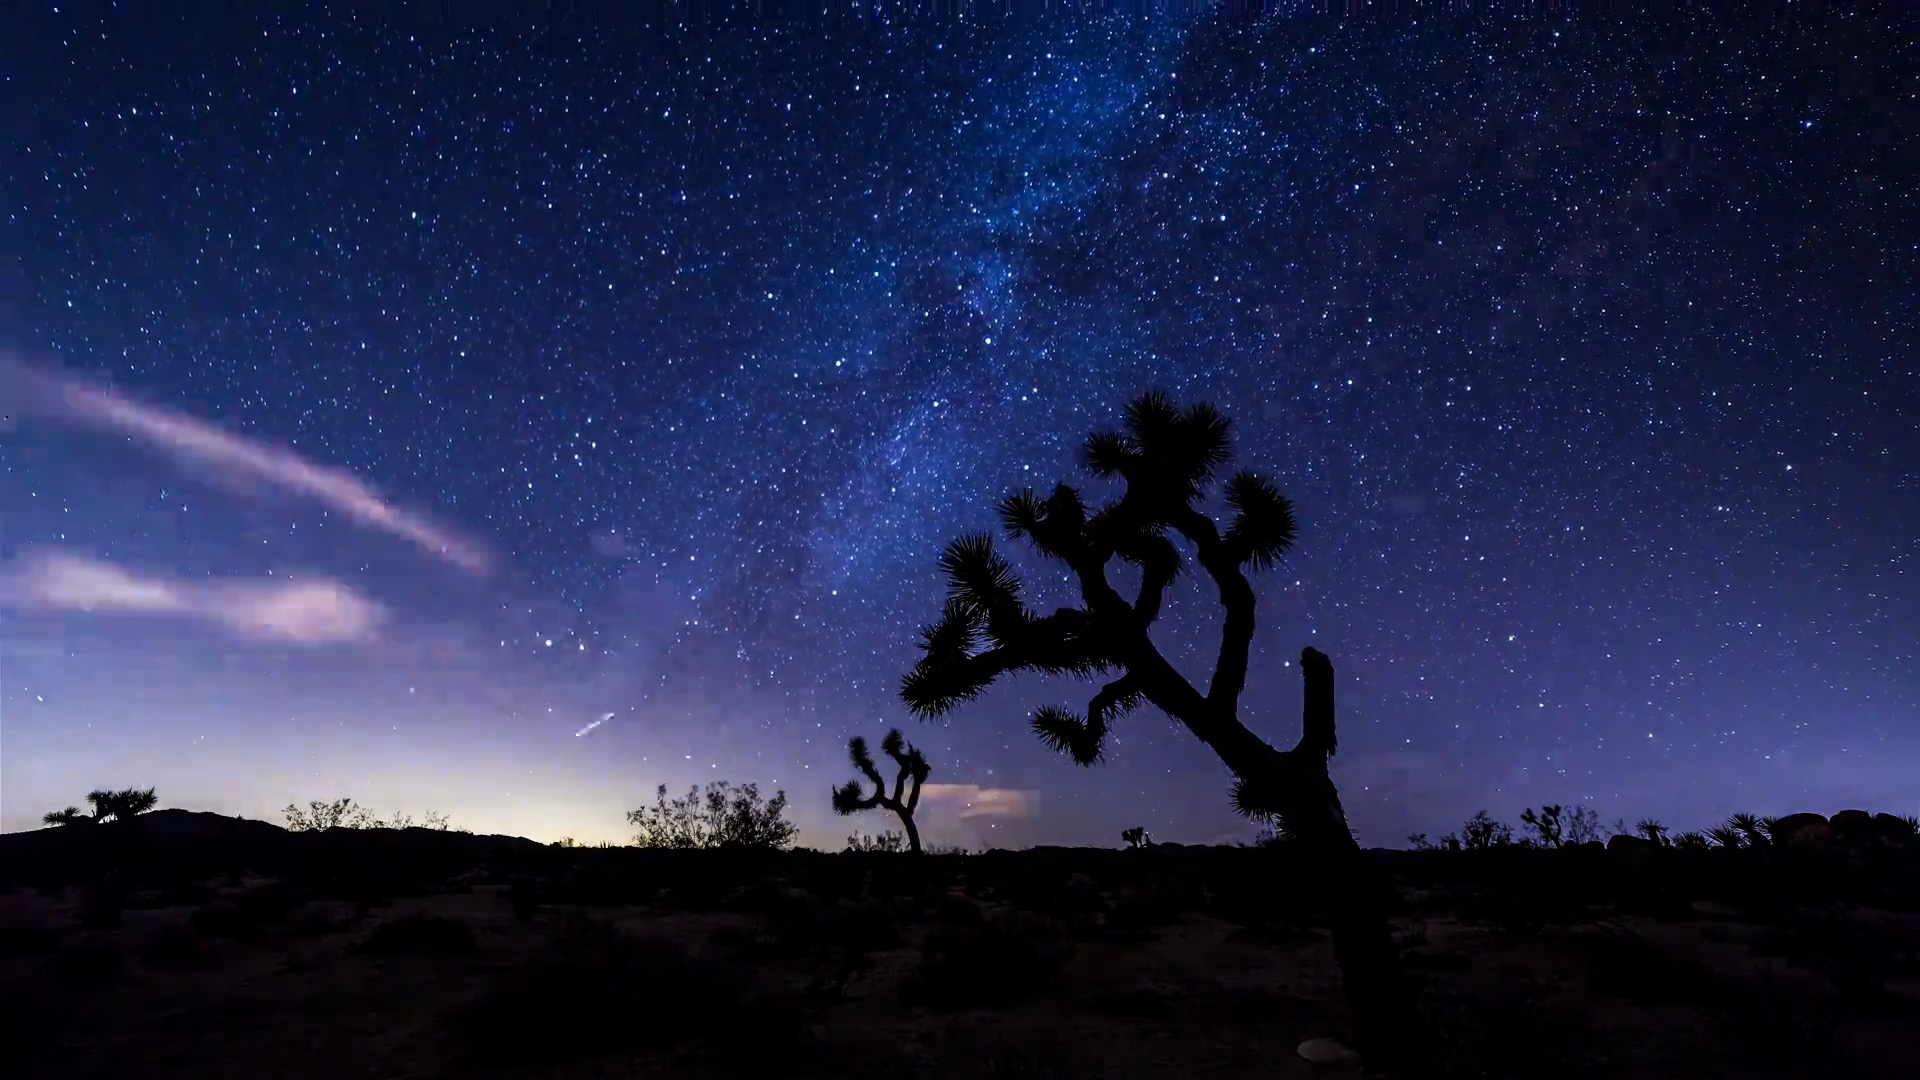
1387	1026
913	833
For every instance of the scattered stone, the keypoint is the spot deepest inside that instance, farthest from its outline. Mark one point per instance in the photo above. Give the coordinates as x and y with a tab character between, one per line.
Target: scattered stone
1329	1052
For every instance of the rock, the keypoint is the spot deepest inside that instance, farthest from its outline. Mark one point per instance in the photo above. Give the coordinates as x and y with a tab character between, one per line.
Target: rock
1329	1052
1803	830
1895	829
1851	821
1627	842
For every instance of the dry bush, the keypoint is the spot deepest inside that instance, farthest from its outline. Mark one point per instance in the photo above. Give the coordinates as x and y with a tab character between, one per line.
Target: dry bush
1517	1036
90	959
596	990
1770	1025
1003	963
422	934
173	945
26	928
1629	967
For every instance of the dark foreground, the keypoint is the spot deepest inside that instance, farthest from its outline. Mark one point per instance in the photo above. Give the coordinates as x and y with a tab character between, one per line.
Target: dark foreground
186	945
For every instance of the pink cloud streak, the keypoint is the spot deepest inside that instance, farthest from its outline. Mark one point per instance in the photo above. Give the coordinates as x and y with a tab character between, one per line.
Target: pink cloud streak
311	612
205	442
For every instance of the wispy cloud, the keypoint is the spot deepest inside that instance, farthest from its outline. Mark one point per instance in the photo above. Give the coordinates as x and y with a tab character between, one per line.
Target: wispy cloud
222	450
310	612
973	801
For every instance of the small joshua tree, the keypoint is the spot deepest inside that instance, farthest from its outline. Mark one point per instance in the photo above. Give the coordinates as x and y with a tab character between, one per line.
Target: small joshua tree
1168	457
1652	830
847	798
1136	837
1545	825
72	815
123	805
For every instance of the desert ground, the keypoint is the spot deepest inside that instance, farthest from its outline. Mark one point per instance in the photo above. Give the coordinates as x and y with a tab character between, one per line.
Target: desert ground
187	945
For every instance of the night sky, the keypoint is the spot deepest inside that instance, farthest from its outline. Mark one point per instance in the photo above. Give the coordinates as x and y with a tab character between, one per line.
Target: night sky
387	402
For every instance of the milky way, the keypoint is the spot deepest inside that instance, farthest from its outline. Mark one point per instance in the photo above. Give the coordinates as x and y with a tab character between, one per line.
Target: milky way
1586	355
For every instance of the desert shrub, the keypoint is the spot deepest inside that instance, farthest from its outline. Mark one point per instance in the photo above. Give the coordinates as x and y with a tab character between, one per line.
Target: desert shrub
1772	1026
596	990
173	945
888	841
1517	1036
321	815
955	908
91	958
190	894
1146	906
1852	957
422	934
1003	963
723	817
320	917
223	918
1422	959
25	928
523	896
1481	832
1628	966
1078	896
859	927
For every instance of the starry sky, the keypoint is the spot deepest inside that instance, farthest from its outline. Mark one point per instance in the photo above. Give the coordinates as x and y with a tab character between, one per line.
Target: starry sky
505	417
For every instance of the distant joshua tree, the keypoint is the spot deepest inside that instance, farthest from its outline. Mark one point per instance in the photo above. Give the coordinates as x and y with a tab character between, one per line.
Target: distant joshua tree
123	805
1136	837
1168	457
1545	825
914	769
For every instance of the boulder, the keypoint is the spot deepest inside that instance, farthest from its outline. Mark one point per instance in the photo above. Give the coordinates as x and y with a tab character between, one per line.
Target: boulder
1852	821
1803	830
1894	829
1629	842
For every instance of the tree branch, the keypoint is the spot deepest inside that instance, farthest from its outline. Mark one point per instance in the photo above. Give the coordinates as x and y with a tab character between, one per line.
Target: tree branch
1317	733
1236	596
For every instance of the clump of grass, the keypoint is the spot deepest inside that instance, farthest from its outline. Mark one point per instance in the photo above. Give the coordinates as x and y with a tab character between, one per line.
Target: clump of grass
422	934
596	990
1002	963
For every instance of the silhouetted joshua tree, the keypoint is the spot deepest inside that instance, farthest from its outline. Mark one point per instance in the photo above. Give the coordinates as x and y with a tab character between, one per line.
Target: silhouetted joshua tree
913	767
72	815
123	805
1167	457
1136	837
